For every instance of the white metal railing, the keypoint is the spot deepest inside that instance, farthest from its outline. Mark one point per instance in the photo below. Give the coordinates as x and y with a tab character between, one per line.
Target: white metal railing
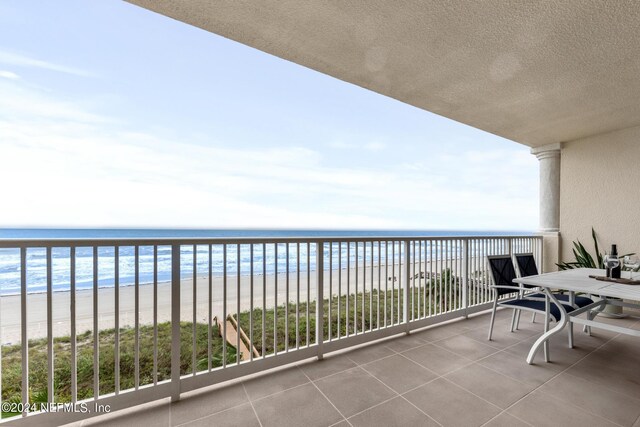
120	322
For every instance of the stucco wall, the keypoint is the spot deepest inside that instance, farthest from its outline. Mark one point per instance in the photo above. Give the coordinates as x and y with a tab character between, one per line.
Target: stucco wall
600	187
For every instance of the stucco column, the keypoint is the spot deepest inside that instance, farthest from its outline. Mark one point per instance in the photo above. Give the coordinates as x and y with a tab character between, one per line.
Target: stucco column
549	157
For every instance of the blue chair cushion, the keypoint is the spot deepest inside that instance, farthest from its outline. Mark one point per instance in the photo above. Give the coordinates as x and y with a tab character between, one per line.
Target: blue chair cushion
535	305
563	298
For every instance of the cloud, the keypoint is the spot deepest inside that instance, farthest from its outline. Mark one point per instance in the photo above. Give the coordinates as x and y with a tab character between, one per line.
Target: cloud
15	59
24	102
373	146
8	75
67	166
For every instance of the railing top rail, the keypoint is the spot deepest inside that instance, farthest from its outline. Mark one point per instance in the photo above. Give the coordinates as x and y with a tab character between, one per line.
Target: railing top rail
168	241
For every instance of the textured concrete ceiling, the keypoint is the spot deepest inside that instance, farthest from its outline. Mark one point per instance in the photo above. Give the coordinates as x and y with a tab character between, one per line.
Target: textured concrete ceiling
536	72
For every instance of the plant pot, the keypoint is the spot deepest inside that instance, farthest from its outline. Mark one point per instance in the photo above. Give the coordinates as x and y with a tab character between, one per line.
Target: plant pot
613	311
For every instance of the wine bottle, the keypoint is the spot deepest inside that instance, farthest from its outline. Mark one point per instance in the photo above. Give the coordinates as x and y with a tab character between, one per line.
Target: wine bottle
615	271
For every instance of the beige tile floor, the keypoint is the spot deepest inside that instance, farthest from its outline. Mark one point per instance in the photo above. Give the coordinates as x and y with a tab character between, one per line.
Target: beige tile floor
448	375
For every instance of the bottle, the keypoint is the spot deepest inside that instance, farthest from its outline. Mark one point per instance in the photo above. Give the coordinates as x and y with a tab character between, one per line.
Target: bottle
615	271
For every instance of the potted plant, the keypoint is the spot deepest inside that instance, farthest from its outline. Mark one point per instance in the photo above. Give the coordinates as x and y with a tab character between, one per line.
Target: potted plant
583	259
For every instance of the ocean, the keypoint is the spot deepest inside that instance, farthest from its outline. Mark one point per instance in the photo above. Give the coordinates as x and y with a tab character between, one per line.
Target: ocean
37	268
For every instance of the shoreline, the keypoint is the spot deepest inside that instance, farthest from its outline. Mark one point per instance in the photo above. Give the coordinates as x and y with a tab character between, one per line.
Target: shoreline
10	305
121	285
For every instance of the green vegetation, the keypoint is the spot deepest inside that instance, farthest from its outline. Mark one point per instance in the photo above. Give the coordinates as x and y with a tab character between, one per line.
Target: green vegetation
12	357
437	294
583	259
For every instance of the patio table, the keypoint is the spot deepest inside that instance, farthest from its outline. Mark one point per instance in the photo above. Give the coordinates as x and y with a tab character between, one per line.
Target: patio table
578	280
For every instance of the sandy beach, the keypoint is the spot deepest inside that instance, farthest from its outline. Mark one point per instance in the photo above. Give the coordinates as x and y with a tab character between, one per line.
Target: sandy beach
37	303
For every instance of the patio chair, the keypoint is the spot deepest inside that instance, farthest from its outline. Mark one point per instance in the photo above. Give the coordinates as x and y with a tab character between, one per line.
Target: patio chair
526	264
503	272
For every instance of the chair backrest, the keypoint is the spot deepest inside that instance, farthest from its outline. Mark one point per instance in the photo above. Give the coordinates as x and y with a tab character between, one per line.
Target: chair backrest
502	272
526	265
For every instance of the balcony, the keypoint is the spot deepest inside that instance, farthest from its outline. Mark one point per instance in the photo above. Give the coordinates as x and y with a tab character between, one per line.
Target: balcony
448	374
224	331
122	334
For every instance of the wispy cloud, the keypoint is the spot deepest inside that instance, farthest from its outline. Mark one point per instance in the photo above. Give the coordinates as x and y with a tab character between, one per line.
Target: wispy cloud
373	146
72	167
22	101
8	75
19	60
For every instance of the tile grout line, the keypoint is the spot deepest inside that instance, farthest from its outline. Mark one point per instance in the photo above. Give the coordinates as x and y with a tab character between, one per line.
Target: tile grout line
470	392
328	400
504	412
374	406
415	406
211	414
503	350
401	394
603	386
554	377
422	366
278	392
251	403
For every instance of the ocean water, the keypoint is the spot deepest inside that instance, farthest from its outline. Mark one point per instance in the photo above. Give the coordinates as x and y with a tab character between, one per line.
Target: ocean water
275	258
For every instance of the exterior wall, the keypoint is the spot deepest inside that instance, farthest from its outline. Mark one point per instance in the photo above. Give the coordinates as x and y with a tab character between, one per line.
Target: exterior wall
600	187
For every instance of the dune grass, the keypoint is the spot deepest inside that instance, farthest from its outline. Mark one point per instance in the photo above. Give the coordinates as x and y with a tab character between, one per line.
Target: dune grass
355	312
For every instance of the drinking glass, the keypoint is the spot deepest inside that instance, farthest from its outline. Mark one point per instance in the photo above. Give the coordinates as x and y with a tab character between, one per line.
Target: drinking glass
632	262
611	262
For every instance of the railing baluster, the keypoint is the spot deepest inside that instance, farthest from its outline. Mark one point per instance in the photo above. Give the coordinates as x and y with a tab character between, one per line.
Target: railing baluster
175	323
330	290
420	288
275	304
371	292
238	328
210	309
298	295
346	317
449	260
286	303
96	332
425	282
251	301
364	284
24	338
465	276
413	280
379	282
116	317
339	289
407	284
386	280
319	298
393	280
223	321
72	309
355	295
264	300
431	283
456	278
400	315
137	316
309	291
155	315
194	314
50	396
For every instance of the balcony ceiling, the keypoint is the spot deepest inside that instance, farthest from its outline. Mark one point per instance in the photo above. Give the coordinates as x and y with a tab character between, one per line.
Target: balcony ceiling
533	72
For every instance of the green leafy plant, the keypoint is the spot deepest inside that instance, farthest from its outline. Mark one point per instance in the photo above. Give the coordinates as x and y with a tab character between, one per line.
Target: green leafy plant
583	259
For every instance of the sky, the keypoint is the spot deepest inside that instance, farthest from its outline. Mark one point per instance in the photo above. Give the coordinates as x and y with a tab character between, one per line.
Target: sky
114	116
